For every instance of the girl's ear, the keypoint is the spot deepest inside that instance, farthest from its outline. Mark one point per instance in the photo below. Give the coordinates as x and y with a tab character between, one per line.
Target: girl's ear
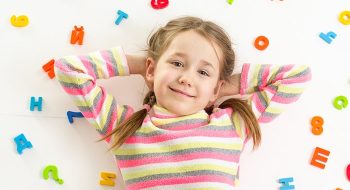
150	69
217	90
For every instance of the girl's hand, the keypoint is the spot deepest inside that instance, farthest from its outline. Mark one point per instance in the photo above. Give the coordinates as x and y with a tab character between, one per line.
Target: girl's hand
137	65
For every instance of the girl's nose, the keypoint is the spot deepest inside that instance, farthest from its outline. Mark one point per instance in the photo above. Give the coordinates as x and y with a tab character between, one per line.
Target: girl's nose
185	78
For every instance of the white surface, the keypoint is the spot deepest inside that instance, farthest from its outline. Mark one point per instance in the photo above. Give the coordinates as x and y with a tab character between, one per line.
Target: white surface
292	27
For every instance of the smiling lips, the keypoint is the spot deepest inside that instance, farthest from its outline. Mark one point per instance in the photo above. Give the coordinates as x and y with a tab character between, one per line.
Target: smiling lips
181	92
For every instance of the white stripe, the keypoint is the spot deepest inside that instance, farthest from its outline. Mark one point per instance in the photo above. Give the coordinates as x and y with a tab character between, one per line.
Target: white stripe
186	140
205	161
122	55
213	185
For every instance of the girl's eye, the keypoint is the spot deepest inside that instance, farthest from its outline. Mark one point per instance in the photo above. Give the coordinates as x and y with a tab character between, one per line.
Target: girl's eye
204	73
177	63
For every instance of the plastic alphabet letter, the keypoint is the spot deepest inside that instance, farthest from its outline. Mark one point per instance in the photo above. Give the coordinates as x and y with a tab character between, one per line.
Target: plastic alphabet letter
71	114
52	169
107	178
159	4
285	183
19	21
261	43
77	35
316	157
344	17
348	172
317	123
340	102
121	16
33	103
49	68
328	37
22	143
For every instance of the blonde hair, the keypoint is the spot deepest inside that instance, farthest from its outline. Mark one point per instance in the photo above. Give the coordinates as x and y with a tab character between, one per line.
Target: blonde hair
157	44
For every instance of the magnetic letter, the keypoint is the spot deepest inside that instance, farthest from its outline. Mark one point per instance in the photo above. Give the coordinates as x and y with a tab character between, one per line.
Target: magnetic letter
77	35
285	183
22	143
316	157
328	37
49	68
107	178
121	16
344	17
33	103
71	114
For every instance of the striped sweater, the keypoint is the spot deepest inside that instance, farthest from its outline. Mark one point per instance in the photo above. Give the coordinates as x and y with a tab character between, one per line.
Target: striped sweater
197	151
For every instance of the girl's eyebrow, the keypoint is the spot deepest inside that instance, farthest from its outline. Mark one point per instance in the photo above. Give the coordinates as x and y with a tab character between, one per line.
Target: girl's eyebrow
185	56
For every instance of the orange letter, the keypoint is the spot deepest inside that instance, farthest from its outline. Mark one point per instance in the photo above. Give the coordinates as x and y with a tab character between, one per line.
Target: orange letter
261	43
49	68
317	157
77	35
317	123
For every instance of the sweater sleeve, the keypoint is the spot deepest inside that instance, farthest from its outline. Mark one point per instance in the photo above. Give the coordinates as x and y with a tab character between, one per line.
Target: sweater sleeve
78	74
271	87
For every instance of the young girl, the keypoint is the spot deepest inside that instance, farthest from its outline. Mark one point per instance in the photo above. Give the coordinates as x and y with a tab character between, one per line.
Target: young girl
181	140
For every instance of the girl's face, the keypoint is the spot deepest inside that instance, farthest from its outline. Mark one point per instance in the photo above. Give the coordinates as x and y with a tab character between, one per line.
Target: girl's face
186	77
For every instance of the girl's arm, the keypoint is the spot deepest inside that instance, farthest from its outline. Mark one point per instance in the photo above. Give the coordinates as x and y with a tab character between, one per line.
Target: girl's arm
78	75
269	87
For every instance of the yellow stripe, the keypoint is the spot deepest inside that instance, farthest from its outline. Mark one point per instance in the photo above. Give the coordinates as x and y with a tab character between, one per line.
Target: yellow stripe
297	70
237	122
289	89
88	102
174	120
273	73
106	108
273	110
146	128
118	59
265	97
169	170
176	147
73	79
254	81
96	60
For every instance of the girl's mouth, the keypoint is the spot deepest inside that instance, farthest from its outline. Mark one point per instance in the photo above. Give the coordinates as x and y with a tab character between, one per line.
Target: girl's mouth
181	92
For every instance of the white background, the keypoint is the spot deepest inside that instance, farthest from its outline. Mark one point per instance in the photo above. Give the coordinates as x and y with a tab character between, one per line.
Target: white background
292	27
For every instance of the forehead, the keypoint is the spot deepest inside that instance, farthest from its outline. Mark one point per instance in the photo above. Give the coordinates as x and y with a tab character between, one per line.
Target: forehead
196	47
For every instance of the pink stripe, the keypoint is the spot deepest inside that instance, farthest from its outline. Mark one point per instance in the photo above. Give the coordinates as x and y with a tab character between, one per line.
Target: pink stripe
265	119
178	158
109	64
181	134
113	119
96	109
244	78
222	112
79	91
87	64
297	80
283	71
187	126
257	102
270	89
182	180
